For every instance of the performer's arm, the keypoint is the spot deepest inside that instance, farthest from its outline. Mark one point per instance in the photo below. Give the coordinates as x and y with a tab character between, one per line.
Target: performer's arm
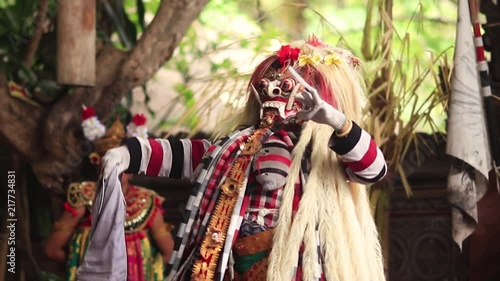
160	231
364	160
55	246
164	157
359	152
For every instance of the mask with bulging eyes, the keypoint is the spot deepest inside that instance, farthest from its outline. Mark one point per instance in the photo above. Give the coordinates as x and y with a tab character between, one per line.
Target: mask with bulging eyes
277	90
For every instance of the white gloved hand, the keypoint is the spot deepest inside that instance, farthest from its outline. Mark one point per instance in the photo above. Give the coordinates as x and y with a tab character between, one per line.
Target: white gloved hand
319	111
119	156
314	108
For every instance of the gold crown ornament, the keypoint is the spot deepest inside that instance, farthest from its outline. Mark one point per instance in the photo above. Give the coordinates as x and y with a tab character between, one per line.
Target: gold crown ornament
106	139
111	139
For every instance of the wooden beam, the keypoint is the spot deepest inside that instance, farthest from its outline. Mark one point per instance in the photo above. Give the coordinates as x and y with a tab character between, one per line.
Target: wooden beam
76	42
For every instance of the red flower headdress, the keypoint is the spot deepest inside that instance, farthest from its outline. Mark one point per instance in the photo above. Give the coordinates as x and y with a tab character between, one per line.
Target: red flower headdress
92	127
137	127
139	119
87	112
287	55
315	42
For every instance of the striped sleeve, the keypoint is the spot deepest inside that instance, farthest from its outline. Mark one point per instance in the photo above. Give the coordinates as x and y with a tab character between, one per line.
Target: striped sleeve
175	158
359	152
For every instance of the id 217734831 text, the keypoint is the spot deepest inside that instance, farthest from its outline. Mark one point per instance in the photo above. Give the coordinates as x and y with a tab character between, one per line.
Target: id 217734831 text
11	221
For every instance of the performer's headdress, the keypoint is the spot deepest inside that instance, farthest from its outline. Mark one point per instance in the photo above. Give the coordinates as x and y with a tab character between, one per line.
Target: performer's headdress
334	72
105	139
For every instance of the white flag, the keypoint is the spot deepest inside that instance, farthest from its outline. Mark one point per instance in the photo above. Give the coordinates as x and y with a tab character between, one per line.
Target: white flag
467	140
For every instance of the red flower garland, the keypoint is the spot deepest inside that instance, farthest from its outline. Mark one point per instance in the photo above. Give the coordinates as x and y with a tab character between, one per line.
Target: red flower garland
95	158
139	119
287	53
87	112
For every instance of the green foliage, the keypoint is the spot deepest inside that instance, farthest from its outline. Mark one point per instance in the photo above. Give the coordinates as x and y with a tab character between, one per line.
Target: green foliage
17	25
17	17
416	45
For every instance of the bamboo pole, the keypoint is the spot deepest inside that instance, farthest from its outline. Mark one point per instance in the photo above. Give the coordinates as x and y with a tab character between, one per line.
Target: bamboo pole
76	42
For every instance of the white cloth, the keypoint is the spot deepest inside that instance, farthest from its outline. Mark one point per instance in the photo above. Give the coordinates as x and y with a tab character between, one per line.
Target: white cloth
106	256
467	139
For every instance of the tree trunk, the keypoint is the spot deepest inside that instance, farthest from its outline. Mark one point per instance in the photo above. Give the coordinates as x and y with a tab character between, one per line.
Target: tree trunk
51	138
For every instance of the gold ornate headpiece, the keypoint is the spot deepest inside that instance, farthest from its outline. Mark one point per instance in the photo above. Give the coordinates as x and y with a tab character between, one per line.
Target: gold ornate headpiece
105	139
111	139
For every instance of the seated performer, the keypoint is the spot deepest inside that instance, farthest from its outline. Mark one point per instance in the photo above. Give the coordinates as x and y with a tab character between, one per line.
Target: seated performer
282	196
148	239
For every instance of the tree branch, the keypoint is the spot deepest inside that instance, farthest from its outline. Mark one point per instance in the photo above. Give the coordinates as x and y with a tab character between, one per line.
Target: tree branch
35	40
59	127
154	48
20	123
62	126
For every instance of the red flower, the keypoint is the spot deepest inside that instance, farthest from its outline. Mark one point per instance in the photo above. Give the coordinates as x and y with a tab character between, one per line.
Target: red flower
15	87
287	53
94	158
139	119
354	61
294	53
314	41
87	112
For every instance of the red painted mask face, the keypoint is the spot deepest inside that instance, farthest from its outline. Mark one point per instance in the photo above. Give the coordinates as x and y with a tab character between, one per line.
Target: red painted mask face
277	90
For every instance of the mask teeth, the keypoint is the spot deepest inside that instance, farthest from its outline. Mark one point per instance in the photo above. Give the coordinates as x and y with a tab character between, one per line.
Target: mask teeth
274	104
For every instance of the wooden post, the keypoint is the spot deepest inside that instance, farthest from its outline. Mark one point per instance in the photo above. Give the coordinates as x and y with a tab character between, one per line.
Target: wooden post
76	41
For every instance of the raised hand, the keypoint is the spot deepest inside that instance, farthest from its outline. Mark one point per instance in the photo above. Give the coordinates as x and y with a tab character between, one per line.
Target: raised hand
119	156
314	108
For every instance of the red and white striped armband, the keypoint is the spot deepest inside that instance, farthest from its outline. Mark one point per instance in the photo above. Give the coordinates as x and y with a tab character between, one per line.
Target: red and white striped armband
364	160
175	158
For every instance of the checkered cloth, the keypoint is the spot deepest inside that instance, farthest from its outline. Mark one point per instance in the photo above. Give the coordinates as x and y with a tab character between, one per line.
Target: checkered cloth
212	171
361	157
